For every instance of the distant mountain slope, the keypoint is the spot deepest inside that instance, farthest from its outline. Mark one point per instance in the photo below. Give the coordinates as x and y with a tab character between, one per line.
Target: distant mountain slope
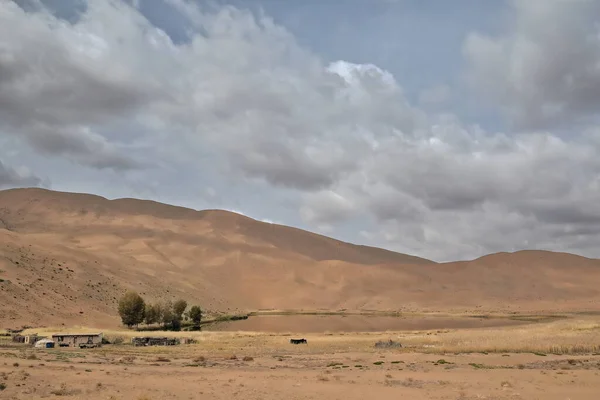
27	208
66	258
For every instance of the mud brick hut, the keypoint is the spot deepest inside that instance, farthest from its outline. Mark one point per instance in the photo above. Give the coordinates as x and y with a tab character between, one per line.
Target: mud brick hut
81	340
154	341
26	339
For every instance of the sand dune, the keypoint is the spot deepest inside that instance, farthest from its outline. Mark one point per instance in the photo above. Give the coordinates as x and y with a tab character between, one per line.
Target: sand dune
66	258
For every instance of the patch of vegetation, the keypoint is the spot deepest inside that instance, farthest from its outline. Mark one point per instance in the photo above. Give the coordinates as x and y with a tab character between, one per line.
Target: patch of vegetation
228	317
378	362
134	311
334	364
2	385
442	361
477	366
397	362
537	318
539	354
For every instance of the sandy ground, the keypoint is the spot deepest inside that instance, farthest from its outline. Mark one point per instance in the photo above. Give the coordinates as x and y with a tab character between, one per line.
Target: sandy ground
556	360
385	374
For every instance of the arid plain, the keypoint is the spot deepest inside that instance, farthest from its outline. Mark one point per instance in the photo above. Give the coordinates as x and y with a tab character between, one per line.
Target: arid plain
521	325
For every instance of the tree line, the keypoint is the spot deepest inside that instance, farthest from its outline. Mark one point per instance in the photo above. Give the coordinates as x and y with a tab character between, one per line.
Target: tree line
134	311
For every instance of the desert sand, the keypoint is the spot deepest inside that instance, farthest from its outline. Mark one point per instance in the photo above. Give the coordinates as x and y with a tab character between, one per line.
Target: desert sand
66	258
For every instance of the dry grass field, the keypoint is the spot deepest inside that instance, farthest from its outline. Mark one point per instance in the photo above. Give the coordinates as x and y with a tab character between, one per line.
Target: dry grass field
549	359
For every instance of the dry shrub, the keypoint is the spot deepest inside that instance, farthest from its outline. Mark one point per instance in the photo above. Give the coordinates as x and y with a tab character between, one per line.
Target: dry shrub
200	359
248	358
387	344
233	357
408	382
162	359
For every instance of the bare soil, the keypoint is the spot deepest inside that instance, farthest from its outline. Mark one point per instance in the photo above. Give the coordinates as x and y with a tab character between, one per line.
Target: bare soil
298	373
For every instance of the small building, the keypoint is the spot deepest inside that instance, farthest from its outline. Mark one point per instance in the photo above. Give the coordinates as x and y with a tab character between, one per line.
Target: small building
26	339
18	339
81	340
154	341
31	339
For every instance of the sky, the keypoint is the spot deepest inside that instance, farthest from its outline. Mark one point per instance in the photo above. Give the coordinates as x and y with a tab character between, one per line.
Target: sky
447	130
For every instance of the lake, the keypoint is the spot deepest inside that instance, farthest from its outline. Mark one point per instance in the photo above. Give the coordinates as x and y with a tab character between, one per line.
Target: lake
353	323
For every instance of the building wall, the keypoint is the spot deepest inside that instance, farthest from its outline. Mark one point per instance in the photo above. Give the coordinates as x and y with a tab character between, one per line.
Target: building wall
76	340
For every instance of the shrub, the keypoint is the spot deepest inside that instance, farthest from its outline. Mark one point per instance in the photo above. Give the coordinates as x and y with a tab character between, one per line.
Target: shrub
387	344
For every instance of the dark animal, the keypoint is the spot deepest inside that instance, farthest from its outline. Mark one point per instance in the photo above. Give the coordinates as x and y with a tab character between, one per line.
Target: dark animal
298	341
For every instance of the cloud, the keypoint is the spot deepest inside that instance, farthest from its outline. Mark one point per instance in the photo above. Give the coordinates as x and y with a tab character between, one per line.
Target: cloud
21	177
545	71
58	81
243	99
435	95
326	207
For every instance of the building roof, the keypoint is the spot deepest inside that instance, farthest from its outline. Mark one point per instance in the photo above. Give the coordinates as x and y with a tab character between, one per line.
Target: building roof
77	334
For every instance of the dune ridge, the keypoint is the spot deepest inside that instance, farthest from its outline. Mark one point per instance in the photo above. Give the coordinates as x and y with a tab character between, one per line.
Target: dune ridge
67	257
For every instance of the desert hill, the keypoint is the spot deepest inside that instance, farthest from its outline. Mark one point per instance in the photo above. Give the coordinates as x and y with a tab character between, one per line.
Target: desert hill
66	258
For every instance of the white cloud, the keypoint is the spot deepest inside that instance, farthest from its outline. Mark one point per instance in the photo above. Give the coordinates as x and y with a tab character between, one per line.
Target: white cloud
546	71
243	99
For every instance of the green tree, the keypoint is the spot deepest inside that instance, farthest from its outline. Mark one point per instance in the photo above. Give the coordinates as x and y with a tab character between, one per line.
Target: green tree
152	314
178	309
132	309
195	314
167	313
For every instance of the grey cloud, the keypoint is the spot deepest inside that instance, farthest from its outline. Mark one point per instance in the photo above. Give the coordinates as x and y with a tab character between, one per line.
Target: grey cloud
326	207
56	84
545	71
10	178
